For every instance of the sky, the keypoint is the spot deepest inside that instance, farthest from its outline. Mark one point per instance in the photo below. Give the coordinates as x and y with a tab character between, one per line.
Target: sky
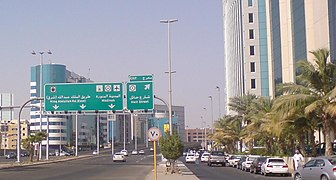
108	40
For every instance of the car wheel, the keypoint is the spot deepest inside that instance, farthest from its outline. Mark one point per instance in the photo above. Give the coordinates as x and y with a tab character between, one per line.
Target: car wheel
297	177
324	177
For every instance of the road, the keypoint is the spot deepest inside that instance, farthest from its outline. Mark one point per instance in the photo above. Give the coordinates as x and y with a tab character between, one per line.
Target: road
204	172
97	167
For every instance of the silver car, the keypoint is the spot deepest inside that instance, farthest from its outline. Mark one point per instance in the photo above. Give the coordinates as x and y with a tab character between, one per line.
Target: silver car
323	168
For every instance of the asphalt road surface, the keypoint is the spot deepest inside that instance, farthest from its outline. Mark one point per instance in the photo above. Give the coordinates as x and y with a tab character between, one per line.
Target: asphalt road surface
99	167
204	172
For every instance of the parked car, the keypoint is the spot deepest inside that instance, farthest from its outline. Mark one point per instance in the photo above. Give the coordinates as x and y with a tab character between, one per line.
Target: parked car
191	157
246	165
11	156
274	166
141	152
205	157
52	153
118	156
233	160
24	154
134	152
322	167
124	152
64	153
216	157
240	162
95	152
256	164
151	149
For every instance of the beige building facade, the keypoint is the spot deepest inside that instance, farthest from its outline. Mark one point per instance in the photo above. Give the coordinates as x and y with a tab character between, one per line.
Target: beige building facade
9	133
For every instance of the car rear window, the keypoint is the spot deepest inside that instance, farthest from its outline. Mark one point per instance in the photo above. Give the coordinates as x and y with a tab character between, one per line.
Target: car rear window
276	160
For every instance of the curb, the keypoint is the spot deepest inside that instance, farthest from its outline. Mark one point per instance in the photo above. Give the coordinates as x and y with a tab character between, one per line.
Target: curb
25	164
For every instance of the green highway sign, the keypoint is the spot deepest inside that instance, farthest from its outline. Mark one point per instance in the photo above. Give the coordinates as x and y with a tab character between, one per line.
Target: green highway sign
140	95
141	78
83	97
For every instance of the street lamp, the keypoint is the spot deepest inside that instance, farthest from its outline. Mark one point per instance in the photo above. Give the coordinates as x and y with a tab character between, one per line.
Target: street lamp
212	121
41	87
168	22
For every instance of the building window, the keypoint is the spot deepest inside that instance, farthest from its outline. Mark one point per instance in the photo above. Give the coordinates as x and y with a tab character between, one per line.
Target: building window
252	66
250	3
250	17
251	33
252	52
253	83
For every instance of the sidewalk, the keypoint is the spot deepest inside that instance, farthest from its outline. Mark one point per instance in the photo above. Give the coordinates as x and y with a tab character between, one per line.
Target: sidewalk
185	174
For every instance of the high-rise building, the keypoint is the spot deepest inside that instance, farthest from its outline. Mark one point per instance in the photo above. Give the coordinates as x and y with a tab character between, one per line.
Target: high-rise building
60	126
246	55
264	39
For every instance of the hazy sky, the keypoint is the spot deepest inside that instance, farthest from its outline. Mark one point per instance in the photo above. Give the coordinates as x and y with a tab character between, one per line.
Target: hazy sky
108	40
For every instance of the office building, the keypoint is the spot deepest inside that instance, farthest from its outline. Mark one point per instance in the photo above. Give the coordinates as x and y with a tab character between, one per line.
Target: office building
60	126
264	39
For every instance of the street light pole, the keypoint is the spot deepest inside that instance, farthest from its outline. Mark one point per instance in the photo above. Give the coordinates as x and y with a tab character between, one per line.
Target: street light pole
212	124
219	99
168	22
41	87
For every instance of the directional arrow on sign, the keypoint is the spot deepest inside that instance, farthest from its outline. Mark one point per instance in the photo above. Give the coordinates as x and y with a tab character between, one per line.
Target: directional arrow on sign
111	106
55	106
82	106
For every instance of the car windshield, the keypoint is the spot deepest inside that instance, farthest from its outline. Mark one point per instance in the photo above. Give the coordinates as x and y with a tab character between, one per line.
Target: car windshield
216	153
251	158
276	161
205	154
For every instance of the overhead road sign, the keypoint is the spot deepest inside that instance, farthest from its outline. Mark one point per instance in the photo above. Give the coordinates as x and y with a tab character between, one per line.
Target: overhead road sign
83	97
141	78
140	95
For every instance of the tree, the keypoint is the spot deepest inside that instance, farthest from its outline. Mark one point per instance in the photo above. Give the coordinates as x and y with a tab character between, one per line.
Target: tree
171	148
28	143
316	90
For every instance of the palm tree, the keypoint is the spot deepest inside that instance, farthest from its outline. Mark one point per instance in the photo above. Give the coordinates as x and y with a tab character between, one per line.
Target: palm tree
315	91
28	143
228	132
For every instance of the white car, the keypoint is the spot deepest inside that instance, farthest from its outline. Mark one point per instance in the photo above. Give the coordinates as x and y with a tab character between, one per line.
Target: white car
63	153
205	157
118	157
248	161
141	152
233	160
134	152
274	166
95	152
124	152
191	157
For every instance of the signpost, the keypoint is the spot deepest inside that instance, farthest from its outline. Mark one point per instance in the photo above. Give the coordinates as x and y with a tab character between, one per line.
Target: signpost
154	134
83	97
140	95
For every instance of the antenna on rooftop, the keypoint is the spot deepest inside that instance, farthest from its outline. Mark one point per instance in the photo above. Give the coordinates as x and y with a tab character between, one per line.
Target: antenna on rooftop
88	74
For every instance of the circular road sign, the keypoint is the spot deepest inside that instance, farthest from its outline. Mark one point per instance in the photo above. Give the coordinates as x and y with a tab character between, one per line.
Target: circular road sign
154	134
